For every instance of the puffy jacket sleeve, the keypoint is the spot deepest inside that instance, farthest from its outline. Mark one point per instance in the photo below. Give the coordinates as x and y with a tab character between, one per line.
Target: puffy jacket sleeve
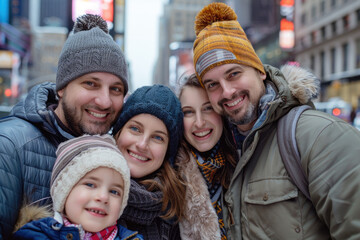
10	186
330	149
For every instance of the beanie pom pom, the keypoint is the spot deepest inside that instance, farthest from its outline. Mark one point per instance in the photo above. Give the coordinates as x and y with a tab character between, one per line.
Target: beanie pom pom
213	12
89	21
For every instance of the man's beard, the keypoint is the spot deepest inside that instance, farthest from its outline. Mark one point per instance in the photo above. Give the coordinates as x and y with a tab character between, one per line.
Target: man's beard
75	125
249	117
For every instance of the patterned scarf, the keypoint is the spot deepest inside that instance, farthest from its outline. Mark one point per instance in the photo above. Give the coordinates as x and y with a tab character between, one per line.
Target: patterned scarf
106	234
214	160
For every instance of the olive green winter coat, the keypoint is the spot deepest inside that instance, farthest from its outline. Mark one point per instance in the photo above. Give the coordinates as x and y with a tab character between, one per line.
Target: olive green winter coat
262	202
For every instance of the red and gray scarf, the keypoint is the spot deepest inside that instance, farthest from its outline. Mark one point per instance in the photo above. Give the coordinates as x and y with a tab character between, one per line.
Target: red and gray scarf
108	233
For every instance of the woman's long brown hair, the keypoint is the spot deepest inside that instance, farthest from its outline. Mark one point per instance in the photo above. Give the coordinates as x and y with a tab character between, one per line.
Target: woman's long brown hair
227	144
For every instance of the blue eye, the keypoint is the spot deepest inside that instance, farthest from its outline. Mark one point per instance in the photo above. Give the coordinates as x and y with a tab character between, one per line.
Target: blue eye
133	128
211	85
114	192
208	108
89	83
187	112
117	90
89	185
233	74
159	138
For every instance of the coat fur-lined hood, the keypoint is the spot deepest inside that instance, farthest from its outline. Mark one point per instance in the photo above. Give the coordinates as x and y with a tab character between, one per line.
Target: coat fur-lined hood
30	213
294	86
200	219
303	84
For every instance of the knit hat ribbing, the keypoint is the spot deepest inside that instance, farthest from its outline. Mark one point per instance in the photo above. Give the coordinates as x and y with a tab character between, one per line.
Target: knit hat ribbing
221	40
89	48
78	156
161	102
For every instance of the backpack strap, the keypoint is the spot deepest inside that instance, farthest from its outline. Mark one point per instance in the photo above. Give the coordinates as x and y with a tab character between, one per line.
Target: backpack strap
286	130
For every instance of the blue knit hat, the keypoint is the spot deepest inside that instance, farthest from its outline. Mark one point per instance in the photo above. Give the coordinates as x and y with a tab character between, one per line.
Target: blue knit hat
161	102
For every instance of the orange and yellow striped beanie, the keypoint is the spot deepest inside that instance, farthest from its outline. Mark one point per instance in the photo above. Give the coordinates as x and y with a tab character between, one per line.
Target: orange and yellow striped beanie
221	40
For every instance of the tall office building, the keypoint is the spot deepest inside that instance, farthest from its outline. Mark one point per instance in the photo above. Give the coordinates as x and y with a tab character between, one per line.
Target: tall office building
328	42
176	36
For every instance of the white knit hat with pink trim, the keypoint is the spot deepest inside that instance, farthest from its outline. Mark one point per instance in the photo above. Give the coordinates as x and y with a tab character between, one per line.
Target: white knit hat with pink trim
78	156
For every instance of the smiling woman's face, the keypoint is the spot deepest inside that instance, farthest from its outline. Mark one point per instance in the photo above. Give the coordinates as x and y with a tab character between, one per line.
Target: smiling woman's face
143	141
202	125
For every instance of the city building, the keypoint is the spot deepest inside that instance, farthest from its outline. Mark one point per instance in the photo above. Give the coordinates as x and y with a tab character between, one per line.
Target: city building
327	41
176	36
32	34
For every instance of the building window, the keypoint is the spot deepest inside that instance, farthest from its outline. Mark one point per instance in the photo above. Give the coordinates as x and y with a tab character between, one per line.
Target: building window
303	19
312	62
333	28
333	3
313	12
358	16
322	7
313	37
358	53
345	49
322	64
333	59
302	42
345	21
323	33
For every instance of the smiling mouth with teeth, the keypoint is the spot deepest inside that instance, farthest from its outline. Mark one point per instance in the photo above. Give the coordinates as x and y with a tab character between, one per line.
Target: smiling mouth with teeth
96	211
141	158
234	103
202	134
98	115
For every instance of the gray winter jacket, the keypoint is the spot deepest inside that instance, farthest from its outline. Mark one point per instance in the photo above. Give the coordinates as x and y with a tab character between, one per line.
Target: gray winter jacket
262	202
28	141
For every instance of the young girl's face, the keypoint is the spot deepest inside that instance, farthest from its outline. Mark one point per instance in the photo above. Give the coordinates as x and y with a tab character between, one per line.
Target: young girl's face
143	141
202	126
95	201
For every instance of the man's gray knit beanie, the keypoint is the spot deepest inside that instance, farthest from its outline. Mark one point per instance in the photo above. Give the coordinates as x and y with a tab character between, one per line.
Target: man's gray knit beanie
90	48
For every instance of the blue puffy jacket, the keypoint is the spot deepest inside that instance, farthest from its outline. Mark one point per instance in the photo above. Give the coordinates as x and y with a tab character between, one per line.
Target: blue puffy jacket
28	141
49	228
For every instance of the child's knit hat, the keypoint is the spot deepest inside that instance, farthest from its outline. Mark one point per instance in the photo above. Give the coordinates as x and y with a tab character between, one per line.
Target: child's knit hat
90	48
221	40
161	102
78	156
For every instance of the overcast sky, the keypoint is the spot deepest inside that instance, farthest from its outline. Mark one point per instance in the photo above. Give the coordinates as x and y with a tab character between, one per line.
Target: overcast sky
141	38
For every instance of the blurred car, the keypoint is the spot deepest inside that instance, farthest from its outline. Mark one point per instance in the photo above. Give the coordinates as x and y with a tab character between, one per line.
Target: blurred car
4	111
357	120
336	107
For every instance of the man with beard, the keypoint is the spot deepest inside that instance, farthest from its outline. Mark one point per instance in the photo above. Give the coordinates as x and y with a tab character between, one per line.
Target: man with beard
262	202
88	96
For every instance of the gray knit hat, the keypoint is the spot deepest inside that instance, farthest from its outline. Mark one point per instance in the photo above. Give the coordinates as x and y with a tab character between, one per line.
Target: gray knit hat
159	101
78	156
89	48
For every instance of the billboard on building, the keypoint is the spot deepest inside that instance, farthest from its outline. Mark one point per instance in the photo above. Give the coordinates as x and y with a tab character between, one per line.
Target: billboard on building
104	8
180	63
287	34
